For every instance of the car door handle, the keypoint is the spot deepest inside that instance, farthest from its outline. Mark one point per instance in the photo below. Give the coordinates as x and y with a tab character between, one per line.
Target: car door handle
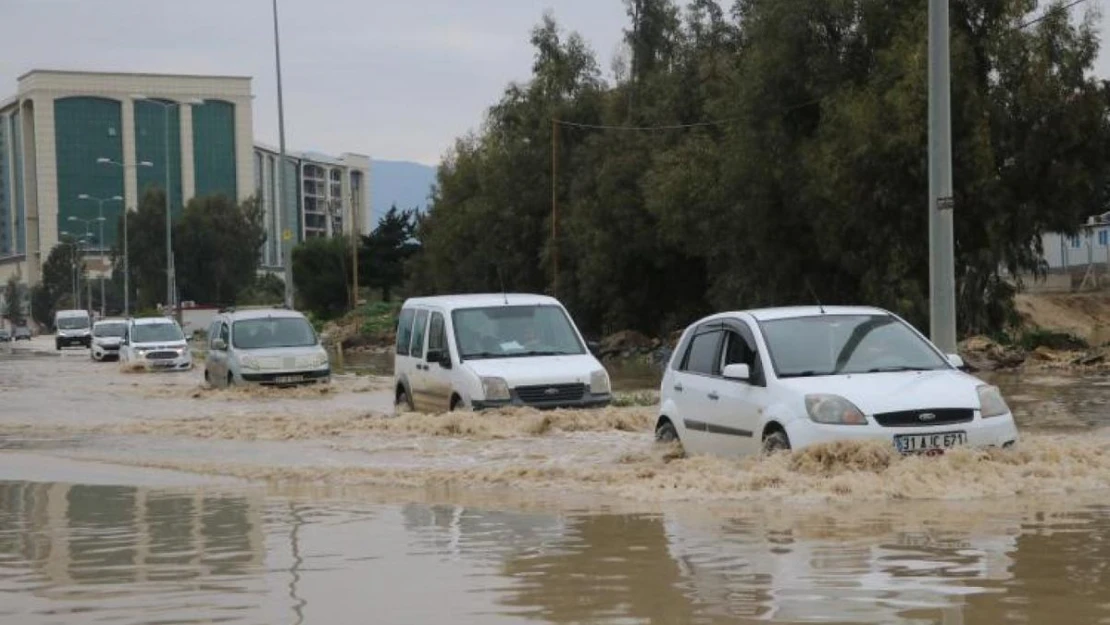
714	396
678	387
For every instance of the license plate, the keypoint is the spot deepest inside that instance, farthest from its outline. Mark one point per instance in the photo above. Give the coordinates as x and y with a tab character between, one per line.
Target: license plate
289	379
929	443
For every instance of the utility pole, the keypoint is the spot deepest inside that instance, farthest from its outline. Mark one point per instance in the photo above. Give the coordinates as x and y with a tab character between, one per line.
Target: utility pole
286	238
356	235
555	206
942	265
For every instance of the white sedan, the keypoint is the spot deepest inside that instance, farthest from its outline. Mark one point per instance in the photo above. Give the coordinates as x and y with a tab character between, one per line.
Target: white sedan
743	383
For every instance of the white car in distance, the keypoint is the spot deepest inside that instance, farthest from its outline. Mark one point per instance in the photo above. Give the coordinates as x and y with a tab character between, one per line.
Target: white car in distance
742	383
156	343
107	338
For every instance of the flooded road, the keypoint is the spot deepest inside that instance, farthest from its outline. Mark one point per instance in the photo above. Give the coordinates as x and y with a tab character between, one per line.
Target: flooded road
139	498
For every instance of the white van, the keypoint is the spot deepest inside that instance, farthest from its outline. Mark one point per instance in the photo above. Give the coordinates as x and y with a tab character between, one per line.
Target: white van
72	327
484	351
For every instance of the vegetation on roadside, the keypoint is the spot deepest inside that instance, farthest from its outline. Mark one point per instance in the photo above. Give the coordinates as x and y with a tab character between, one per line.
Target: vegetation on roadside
788	162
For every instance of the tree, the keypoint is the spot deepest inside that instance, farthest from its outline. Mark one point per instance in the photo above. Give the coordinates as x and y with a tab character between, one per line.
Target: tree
216	247
146	241
384	253
787	158
321	267
15	301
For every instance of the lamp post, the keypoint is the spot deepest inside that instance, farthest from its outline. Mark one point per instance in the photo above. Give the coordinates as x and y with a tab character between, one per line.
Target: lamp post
286	245
126	258
166	108
73	273
100	212
85	240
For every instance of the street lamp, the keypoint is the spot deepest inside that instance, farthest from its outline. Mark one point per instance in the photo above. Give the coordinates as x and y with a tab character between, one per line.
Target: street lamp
166	107
85	240
100	208
279	204
126	258
78	264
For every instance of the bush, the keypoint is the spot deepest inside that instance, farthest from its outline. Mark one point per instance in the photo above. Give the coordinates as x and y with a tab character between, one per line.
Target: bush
1062	341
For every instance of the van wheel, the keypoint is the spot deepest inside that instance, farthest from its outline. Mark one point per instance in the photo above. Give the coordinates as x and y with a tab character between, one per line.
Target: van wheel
403	402
666	433
230	380
775	441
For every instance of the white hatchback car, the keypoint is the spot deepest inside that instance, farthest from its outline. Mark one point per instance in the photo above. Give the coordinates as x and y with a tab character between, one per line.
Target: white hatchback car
107	338
156	343
742	383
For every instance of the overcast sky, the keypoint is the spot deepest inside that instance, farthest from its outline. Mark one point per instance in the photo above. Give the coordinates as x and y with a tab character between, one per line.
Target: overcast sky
395	79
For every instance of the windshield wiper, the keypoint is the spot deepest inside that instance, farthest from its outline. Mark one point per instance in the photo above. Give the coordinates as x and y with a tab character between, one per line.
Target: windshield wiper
897	368
481	355
805	374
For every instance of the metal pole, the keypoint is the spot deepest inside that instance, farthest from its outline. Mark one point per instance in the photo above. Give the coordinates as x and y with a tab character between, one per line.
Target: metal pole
554	206
356	237
286	245
169	219
126	269
942	267
101	220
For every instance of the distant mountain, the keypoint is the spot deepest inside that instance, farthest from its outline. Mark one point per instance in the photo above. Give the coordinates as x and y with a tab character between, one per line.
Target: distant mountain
403	183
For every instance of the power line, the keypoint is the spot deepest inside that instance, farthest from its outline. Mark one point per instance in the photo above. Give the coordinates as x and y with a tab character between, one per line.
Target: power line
719	122
1048	12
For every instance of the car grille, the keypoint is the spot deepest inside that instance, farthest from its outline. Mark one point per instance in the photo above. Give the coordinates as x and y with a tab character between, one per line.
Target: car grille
549	393
913	418
161	355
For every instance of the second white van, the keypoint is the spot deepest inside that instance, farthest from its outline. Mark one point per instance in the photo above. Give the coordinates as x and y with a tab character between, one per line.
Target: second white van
485	351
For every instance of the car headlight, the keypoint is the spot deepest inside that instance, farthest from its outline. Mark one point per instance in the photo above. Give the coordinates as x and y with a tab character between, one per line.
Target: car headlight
834	410
250	362
599	382
320	359
991	403
495	389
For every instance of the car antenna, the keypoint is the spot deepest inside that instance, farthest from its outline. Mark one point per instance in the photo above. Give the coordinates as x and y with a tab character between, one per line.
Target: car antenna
815	298
501	279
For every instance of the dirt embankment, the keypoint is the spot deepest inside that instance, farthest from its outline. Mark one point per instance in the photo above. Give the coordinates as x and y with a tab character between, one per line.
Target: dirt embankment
1084	315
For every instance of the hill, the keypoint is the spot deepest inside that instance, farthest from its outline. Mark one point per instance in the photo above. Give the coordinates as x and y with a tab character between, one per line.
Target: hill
403	183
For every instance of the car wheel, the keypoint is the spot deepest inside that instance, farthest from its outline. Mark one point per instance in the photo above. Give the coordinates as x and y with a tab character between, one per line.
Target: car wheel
230	379
775	442
403	402
666	433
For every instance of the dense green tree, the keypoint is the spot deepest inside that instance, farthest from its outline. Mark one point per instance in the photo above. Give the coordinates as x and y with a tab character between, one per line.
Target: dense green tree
321	267
384	253
216	246
146	240
15	300
787	161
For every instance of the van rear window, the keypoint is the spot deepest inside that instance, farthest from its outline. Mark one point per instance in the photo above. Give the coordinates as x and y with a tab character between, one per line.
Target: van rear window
404	331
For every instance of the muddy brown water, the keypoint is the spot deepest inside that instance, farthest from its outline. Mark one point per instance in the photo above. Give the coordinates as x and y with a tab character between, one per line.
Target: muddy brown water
138	498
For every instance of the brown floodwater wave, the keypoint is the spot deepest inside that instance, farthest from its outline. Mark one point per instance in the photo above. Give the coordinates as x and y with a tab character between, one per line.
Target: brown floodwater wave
643	471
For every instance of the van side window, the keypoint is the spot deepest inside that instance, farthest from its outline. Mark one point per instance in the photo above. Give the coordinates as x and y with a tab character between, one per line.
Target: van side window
418	328
213	332
703	355
404	331
225	334
437	334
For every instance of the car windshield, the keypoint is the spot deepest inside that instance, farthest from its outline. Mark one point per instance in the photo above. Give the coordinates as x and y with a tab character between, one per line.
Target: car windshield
514	331
846	344
112	330
273	332
73	323
156	332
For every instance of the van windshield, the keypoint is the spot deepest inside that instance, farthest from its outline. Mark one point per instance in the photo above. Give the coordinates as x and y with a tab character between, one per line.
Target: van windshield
102	330
273	332
156	332
514	331
73	323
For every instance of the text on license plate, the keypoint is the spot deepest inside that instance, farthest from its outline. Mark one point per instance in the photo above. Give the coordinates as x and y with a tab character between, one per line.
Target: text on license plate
288	379
913	443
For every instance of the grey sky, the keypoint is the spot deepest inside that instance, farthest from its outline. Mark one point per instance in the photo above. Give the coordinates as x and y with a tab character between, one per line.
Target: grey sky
395	79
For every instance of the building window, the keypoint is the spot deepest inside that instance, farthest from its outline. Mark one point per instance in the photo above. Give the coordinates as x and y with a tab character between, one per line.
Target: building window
1074	242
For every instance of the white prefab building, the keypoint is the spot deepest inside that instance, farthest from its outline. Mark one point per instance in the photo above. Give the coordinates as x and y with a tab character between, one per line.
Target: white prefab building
1091	246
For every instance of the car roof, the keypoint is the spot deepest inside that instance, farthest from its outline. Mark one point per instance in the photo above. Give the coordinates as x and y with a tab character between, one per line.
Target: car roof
797	312
111	320
482	300
146	321
72	313
262	313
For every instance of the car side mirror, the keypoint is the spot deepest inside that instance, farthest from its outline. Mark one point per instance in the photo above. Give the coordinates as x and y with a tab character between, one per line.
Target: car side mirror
440	357
593	346
956	361
739	372
219	345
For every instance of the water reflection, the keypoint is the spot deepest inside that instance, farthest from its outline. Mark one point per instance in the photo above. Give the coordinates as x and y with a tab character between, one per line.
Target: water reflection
84	554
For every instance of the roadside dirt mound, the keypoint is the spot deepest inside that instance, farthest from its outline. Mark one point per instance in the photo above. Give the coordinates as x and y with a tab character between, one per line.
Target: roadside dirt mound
1086	315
